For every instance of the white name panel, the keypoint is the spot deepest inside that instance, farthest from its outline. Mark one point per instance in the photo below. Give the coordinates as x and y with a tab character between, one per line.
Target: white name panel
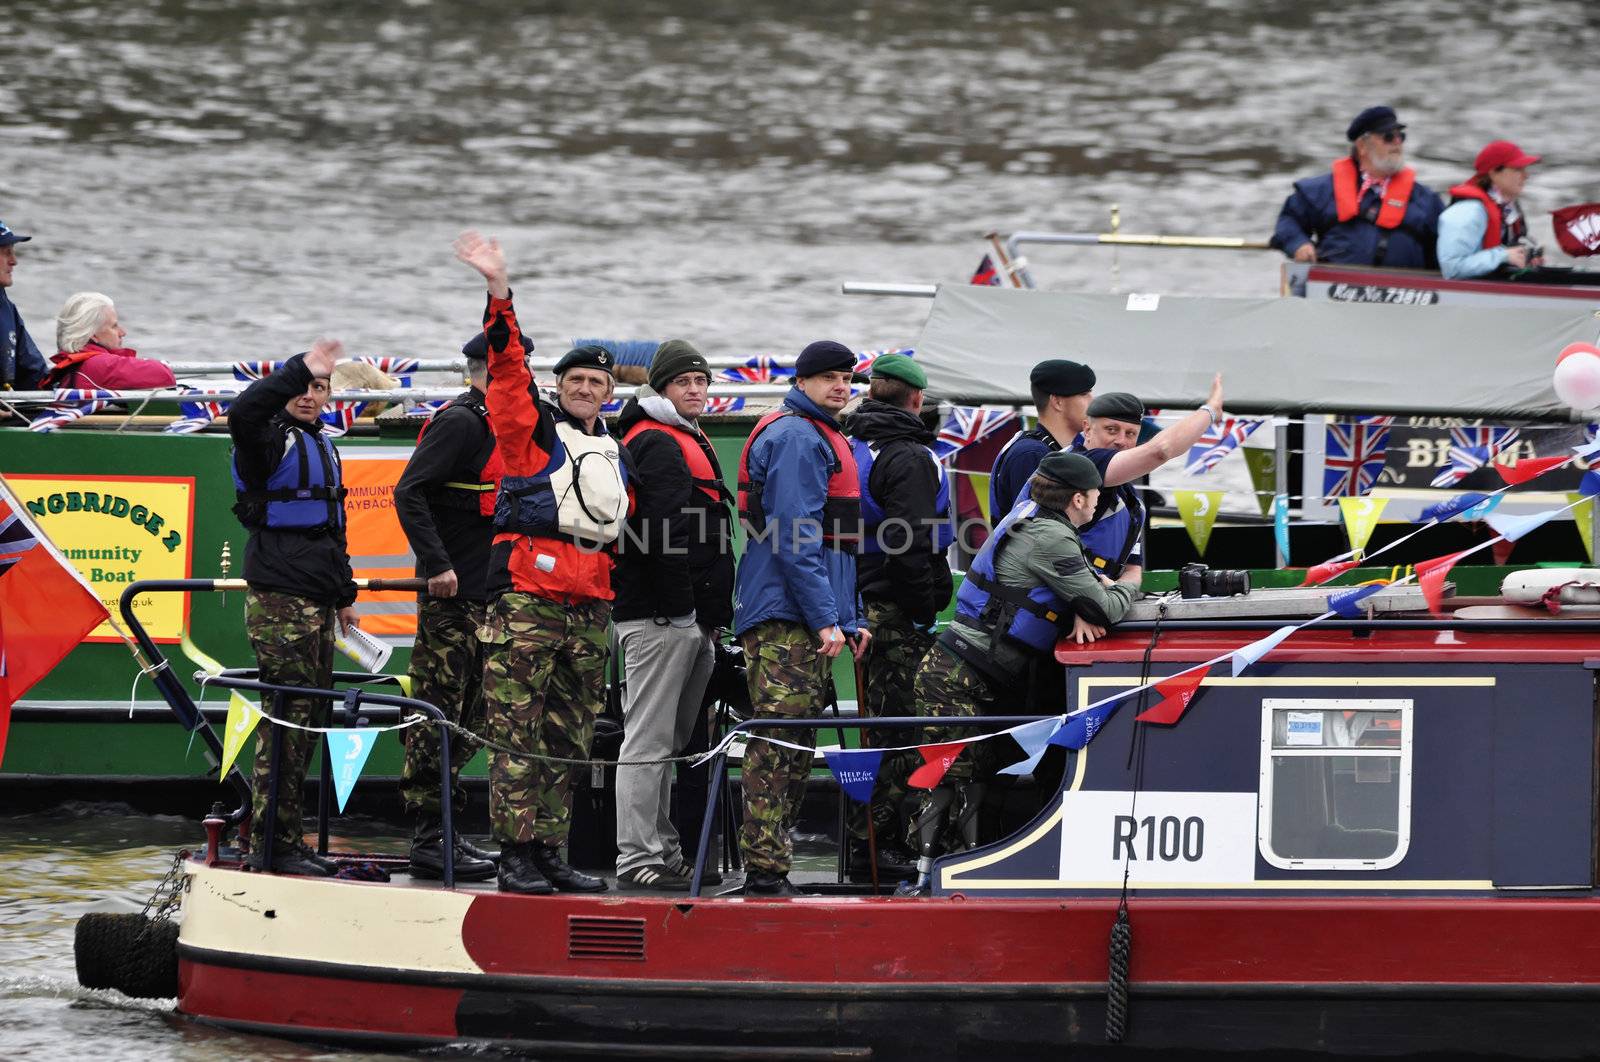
1176	837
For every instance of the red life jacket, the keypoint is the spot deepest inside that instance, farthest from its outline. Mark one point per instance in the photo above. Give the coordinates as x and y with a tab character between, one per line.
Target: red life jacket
1494	234
480	493
701	472
841	513
64	367
1347	203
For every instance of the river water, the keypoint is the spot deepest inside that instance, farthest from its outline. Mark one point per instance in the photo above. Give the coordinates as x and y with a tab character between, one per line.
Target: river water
243	175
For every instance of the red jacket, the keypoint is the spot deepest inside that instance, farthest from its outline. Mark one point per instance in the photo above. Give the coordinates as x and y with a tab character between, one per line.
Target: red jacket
525	436
119	369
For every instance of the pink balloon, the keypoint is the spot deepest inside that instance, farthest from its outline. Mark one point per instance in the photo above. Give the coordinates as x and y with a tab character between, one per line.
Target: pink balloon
1577	377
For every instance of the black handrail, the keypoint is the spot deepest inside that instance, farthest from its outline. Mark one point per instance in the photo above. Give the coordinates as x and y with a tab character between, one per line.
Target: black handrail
719	761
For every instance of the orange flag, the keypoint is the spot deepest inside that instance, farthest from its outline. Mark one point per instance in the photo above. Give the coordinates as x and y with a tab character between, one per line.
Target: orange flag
1321	573
1430	576
1528	468
936	760
1176	693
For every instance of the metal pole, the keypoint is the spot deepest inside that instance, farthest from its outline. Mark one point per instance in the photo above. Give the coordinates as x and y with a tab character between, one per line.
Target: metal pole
446	810
718	765
1280	479
269	817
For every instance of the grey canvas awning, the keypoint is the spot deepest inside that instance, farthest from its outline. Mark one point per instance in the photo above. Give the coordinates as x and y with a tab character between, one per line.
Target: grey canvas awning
1277	355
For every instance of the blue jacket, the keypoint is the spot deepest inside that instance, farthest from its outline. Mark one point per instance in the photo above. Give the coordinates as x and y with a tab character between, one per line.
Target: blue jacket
1014	466
21	364
784	576
1462	254
1310	211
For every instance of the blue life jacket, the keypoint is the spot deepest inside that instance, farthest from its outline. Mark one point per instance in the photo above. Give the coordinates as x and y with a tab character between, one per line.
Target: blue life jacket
1111	539
872	516
1035	618
304	493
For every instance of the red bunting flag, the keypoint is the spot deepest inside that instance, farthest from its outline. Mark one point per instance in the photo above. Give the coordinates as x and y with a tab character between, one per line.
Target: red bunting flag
1430	576
1321	573
1176	693
1578	229
936	760
1530	467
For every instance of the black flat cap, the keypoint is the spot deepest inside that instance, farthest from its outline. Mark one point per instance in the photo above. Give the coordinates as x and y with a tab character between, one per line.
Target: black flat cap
824	356
1058	376
1117	405
1072	470
1372	120
587	357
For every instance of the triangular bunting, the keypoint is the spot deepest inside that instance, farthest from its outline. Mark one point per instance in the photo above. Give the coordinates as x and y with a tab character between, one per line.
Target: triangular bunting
1198	508
936	760
348	751
1280	524
856	771
1514	527
1263	466
1318	574
1246	655
1081	727
1034	739
1470	506
1347	603
242	719
1529	468
1176	693
1360	517
1430	576
1583	516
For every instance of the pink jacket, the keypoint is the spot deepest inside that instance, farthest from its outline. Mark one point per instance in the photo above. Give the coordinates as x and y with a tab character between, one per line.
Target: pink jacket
119	369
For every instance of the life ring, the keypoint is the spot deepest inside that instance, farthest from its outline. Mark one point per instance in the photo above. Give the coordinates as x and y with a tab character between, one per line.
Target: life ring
1558	589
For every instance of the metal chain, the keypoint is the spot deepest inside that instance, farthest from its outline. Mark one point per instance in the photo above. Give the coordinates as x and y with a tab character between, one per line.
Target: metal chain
164	901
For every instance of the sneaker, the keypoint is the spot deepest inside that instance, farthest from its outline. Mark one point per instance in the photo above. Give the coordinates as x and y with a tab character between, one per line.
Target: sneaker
652	877
681	868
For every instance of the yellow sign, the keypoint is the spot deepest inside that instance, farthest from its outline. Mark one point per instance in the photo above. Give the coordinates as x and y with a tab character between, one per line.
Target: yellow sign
117	530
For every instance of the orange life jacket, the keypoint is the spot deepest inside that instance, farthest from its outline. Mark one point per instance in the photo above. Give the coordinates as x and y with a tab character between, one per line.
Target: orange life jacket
701	471
841	512
1347	203
64	366
1494	234
481	492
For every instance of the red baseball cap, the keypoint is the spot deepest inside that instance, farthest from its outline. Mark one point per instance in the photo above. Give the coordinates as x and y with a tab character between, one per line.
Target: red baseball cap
1499	153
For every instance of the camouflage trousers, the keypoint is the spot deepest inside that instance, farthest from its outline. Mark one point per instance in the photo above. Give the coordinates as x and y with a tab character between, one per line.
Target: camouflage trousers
788	678
293	641
543	686
889	671
447	672
949	686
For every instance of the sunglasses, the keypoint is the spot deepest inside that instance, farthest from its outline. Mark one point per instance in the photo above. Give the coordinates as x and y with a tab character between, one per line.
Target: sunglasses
1393	136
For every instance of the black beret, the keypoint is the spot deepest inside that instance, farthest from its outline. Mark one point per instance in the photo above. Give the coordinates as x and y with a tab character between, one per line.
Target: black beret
1072	470
477	348
1058	376
1117	405
1372	120
587	357
824	356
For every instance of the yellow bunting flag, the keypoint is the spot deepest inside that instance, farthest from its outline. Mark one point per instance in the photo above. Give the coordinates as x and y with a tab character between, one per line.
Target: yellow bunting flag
1198	508
980	491
1583	516
1263	466
242	715
1360	517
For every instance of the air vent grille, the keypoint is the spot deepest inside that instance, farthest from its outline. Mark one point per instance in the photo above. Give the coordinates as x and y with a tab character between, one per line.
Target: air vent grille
616	939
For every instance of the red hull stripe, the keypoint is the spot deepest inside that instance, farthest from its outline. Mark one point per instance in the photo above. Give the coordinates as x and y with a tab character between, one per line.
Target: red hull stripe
313	1002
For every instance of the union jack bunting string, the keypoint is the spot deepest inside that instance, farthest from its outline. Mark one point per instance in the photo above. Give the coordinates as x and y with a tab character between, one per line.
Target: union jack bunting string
967	425
865	359
392	366
724	404
1218	442
428	408
71	403
196	415
763	368
254	370
1471	449
1353	456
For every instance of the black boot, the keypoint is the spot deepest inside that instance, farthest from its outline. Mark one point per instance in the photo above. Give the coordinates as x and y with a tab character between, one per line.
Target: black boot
463	844
518	872
894	865
427	860
548	859
769	883
289	858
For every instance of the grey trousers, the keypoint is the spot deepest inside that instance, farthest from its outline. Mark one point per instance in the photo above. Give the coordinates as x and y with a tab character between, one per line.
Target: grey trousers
667	670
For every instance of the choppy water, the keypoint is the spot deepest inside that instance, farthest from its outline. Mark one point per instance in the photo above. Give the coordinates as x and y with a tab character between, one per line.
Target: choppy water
241	175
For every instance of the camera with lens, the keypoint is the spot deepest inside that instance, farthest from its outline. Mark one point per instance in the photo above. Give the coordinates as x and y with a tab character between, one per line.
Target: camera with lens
1197	580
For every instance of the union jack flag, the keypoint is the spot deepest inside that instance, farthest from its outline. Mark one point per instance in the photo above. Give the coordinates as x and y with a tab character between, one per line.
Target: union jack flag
987	275
337	421
724	404
1218	442
865	359
1471	449
427	408
1353	456
15	538
196	415
254	370
392	366
967	425
763	368
69	404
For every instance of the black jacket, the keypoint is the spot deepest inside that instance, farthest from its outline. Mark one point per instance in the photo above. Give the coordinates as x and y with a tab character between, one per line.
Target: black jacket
445	526
905	483
311	564
677	552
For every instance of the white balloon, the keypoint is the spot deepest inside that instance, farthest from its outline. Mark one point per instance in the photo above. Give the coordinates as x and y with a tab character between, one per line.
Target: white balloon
1577	381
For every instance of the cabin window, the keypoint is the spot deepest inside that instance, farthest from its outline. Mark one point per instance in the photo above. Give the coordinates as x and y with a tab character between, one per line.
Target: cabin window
1335	783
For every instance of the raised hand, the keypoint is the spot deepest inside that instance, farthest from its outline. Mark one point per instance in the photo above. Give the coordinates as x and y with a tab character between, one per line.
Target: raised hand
487	258
1214	400
323	355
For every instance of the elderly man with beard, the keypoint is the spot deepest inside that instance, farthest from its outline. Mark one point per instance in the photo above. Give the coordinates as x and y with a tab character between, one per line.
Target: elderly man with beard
1369	209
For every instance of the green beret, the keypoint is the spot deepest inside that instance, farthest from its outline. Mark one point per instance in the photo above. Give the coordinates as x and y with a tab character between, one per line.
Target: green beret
899	367
587	357
1117	405
1072	470
1059	376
